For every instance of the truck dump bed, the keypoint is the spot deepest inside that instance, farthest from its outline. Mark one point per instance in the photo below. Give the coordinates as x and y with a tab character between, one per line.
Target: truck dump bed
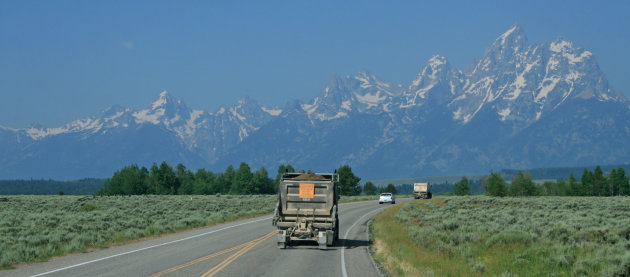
307	206
422	190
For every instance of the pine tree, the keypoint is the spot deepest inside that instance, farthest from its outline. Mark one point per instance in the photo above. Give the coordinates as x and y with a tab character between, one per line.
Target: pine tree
496	185
242	180
575	188
390	188
348	182
224	180
462	187
369	188
162	179
600	183
186	180
587	183
613	183
262	183
624	183
283	169
128	181
204	182
619	182
522	185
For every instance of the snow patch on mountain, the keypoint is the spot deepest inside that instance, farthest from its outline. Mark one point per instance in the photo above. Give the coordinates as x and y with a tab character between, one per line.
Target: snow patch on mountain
38	134
311	108
8	129
545	87
272	111
160	101
115	116
346	105
507	34
151	116
237	115
504	113
370	99
190	127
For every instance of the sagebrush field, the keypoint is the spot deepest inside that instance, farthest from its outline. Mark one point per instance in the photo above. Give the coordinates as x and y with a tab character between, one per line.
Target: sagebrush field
35	228
491	236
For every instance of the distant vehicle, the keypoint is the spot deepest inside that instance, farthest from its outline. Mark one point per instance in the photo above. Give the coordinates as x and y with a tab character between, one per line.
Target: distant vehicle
387	197
422	190
307	208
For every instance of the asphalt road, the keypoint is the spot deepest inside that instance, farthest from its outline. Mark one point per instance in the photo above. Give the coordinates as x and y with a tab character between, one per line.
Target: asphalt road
240	248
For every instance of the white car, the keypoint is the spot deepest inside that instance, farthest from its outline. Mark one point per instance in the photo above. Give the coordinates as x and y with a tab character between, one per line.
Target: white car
387	197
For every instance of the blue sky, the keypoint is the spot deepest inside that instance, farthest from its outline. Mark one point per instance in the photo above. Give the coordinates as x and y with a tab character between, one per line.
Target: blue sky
64	60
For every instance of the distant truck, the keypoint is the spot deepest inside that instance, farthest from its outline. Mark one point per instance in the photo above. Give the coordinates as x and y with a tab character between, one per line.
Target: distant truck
422	190
307	208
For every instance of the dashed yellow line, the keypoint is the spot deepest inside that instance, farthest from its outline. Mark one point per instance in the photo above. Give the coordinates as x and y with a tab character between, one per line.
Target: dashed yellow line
245	246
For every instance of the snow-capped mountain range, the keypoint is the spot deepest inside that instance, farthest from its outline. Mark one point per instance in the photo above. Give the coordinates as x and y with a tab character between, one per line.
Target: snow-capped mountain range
521	106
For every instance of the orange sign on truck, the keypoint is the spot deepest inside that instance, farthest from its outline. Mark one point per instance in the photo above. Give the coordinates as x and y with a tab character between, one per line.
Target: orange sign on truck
307	191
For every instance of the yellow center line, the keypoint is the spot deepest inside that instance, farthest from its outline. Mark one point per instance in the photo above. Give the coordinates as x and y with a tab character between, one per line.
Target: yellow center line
234	256
249	243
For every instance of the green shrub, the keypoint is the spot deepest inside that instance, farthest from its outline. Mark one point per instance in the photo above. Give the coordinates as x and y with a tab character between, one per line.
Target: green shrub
88	207
34	228
509	237
583	236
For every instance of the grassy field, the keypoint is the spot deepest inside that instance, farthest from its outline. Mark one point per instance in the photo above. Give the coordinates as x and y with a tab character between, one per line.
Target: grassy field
486	236
36	227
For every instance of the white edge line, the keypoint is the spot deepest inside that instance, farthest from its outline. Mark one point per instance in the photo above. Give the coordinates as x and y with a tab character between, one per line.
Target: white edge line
343	245
149	247
183	239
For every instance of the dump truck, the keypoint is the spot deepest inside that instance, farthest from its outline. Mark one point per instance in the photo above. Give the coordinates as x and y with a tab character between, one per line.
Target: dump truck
422	190
307	209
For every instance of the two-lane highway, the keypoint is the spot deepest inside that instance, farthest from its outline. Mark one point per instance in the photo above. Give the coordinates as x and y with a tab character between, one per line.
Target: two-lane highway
240	248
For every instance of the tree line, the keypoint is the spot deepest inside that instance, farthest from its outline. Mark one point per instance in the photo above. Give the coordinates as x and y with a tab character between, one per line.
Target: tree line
164	179
592	183
86	186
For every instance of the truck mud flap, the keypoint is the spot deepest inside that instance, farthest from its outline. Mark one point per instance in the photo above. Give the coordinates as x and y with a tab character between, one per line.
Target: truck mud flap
322	240
282	239
330	237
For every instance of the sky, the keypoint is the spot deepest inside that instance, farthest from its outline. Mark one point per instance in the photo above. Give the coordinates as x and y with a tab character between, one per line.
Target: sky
65	60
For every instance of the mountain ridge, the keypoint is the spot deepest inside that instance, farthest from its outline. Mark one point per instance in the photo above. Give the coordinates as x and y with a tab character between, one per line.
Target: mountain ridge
445	121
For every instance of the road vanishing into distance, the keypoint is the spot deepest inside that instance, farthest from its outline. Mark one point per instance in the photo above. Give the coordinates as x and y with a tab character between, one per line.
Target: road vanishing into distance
239	248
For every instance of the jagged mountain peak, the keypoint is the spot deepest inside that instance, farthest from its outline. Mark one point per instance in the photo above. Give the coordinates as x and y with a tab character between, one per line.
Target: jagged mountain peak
113	110
512	40
245	106
164	99
501	54
251	106
438	83
436	61
166	109
246	103
514	34
437	66
553	95
569	51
